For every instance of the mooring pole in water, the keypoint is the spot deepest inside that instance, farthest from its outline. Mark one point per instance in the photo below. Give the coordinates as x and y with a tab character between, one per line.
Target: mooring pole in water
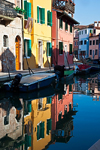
30	70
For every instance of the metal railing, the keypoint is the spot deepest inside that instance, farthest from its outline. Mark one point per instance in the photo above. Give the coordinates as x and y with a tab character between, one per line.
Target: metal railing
7	9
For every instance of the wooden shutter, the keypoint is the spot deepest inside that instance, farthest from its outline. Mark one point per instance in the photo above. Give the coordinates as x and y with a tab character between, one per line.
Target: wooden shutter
29	48
42	15
37	14
38	132
49	125
50	49
25	47
48	18
25	8
29	9
66	26
47	49
71	28
49	100
51	19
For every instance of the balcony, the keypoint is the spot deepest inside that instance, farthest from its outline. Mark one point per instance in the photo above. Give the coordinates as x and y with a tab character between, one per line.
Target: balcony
7	12
65	5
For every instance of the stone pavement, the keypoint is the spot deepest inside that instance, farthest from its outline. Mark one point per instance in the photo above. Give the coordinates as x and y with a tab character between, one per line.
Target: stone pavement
4	76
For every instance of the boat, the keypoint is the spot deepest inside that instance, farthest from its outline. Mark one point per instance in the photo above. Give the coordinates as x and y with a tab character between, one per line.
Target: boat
30	82
82	69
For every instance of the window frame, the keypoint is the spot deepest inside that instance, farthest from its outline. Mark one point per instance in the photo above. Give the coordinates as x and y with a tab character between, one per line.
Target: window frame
6	40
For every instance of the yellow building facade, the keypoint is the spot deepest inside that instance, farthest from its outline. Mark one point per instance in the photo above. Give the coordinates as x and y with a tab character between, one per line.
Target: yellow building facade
37	42
39	112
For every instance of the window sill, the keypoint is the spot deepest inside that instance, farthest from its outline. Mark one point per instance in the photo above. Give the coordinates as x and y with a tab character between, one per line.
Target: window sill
61	28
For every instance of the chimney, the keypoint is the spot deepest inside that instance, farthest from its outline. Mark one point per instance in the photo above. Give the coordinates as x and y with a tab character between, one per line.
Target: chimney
95	23
98	23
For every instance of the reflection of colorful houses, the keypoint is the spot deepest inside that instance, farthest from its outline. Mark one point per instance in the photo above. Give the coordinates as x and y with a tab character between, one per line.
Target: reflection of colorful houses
11	128
62	111
39	112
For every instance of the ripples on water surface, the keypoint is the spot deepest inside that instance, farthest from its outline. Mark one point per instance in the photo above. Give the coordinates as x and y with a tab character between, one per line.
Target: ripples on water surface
67	118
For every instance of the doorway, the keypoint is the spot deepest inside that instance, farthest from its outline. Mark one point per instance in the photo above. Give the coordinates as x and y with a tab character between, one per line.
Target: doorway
40	54
17	53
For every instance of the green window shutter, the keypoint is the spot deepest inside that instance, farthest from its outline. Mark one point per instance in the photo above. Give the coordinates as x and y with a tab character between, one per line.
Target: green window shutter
38	132
29	141
42	15
70	46
50	49
29	107
65	112
26	142
66	26
42	130
48	18
70	88
61	23
61	47
71	28
25	47
29	9
25	8
51	19
37	14
29	48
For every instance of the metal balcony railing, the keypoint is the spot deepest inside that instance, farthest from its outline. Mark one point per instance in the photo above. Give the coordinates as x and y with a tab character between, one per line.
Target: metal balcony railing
65	5
7	9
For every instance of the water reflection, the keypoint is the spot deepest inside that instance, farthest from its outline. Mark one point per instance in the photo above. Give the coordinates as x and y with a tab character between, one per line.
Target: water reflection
35	120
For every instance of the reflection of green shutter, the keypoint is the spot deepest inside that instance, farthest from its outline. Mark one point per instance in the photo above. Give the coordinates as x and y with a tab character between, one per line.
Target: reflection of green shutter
37	14
42	130
70	88
65	112
49	125
37	132
27	141
29	48
59	117
25	8
51	19
29	9
49	100
29	107
25	47
50	49
42	15
60	96
69	107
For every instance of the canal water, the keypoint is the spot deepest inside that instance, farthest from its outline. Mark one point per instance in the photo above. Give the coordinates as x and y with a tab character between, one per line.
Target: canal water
64	116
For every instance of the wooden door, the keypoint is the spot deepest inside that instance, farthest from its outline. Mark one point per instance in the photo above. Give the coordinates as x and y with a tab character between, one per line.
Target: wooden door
17	54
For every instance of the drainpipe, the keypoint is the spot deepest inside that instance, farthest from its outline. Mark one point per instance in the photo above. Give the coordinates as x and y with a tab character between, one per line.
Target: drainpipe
22	37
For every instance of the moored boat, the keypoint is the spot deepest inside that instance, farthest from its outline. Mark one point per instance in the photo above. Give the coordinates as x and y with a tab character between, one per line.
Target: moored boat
82	69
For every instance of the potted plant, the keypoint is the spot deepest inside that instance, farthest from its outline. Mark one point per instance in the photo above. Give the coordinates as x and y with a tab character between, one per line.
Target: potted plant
17	9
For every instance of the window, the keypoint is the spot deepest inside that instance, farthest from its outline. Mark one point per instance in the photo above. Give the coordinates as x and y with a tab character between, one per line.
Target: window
85	31
93	42
27	48
40	130
40	15
66	26
70	28
91	31
5	41
75	43
27	8
90	42
61	23
81	42
49	125
97	42
60	47
94	31
49	18
90	52
49	49
85	42
59	96
70	48
96	52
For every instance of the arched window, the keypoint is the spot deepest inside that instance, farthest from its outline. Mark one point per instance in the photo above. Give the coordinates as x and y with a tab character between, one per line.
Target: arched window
5	41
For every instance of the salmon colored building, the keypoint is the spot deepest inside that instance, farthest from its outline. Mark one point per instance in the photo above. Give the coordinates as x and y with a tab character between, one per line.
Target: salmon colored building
63	33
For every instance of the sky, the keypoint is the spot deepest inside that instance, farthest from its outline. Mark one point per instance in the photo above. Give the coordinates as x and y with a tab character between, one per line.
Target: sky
87	11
